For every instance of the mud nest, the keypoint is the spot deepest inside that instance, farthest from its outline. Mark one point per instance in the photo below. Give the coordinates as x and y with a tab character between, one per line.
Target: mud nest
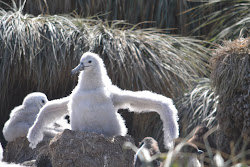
18	151
75	148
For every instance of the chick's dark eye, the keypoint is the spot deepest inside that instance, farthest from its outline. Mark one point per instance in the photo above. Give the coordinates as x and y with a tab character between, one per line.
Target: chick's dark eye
43	101
89	61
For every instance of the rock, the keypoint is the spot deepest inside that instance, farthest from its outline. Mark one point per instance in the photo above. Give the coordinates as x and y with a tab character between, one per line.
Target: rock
75	148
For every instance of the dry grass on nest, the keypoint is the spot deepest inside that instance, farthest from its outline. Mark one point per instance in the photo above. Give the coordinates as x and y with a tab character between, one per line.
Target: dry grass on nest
197	107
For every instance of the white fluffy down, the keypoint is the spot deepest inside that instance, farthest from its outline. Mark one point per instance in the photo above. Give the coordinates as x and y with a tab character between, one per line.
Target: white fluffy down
22	117
94	102
49	114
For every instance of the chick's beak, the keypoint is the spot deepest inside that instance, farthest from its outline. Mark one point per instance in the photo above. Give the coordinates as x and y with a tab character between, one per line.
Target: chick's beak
77	69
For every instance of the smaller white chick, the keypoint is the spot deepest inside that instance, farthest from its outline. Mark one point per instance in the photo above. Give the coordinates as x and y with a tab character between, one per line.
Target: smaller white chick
22	117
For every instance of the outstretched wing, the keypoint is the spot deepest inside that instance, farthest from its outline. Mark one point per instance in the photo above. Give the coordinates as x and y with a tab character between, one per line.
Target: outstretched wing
48	114
143	101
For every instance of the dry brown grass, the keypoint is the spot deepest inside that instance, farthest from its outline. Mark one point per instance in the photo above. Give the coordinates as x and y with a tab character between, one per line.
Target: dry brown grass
230	78
197	107
224	19
152	13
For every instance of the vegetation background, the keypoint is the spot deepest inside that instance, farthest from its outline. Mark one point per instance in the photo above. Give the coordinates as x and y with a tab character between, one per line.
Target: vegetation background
159	45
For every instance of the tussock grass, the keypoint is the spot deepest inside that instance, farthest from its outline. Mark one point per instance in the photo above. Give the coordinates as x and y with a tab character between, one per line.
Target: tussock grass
148	58
230	65
230	79
197	107
158	13
36	55
226	19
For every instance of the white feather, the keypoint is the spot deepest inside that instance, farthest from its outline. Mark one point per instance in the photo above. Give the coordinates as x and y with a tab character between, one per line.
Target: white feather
145	101
49	114
23	116
94	103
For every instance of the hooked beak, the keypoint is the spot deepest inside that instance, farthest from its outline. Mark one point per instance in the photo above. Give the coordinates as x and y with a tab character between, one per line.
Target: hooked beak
77	69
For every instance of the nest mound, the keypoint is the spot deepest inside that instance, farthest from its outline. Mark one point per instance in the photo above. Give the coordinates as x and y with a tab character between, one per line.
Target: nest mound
71	148
18	151
75	148
231	80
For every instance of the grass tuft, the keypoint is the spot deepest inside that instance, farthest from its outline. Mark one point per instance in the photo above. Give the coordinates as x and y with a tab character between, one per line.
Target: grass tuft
226	19
197	107
230	79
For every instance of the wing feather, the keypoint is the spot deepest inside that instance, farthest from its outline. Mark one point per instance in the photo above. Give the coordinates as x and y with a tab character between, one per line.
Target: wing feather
146	101
47	115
